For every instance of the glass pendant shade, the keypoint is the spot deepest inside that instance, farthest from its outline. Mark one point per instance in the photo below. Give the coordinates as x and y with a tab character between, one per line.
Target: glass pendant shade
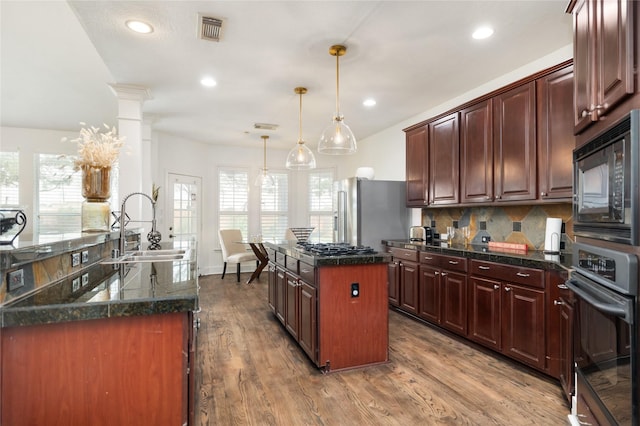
337	138
264	178
300	157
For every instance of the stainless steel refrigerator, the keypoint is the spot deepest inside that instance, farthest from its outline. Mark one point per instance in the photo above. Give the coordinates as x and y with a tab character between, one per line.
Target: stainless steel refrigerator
368	211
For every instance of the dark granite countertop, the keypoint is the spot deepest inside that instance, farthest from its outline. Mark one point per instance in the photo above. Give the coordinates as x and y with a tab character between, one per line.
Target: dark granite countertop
142	288
297	252
531	259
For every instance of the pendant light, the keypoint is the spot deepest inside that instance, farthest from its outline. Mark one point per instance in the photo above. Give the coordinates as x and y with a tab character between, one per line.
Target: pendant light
264	178
300	157
337	138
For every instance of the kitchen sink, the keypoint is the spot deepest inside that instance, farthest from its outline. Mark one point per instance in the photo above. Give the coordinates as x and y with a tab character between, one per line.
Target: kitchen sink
166	255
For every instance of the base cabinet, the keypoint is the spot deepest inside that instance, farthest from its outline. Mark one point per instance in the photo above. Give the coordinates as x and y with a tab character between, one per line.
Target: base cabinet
443	291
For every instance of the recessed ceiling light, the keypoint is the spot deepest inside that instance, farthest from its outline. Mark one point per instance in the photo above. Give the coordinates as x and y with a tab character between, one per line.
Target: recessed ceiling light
208	82
369	102
139	26
482	32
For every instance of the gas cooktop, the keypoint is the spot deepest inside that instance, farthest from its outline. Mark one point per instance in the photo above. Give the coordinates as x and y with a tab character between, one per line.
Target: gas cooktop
335	249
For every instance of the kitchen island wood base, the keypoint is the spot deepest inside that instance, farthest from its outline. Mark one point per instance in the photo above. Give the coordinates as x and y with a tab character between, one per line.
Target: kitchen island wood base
334	307
352	331
117	371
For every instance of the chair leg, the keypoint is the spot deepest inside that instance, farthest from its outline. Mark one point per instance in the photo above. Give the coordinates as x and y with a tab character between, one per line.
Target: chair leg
238	272
224	270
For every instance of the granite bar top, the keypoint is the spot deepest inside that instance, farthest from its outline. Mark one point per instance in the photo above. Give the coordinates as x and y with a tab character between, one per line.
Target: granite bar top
297	252
25	251
106	291
531	259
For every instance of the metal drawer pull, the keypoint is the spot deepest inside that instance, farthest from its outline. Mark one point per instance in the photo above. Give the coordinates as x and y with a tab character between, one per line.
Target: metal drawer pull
558	302
304	271
520	274
436	273
496	286
428	258
562	286
507	289
444	274
484	268
453	262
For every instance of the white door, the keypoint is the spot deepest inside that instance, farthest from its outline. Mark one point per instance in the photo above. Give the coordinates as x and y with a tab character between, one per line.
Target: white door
185	208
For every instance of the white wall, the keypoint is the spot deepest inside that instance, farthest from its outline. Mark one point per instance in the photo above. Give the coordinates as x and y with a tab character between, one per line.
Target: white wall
181	156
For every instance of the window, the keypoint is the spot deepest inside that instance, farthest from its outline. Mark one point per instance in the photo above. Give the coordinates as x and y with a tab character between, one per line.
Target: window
9	186
233	187
274	208
59	195
321	205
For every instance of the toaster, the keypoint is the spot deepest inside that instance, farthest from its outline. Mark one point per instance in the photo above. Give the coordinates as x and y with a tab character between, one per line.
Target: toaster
420	234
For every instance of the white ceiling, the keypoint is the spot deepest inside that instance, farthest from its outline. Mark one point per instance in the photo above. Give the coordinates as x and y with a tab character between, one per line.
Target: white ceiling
58	58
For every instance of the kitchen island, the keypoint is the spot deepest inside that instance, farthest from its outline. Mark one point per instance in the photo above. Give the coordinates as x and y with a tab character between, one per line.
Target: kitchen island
107	344
334	306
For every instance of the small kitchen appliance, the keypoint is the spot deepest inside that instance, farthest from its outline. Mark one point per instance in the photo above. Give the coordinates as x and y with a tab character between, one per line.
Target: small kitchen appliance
552	235
420	234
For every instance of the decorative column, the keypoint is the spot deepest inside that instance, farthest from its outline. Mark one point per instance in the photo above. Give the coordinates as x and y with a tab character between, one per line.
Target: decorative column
133	161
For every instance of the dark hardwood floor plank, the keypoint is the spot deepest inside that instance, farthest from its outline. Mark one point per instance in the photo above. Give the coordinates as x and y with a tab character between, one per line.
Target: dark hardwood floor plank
251	372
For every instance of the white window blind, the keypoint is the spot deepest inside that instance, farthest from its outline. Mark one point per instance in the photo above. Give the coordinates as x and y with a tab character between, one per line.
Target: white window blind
233	208
274	208
321	205
9	178
59	195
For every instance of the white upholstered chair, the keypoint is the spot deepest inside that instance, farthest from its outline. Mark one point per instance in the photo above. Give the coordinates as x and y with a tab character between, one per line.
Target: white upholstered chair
233	251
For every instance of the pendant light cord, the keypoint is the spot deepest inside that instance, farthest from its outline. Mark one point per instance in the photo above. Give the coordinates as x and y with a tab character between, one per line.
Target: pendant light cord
338	84
264	143
300	141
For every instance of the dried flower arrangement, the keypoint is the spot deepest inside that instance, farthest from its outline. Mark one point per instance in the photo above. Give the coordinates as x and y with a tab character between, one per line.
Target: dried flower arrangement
97	149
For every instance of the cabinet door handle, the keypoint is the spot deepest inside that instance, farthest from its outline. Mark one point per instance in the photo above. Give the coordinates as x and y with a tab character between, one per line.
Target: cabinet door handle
585	112
444	274
496	286
507	289
428	258
543	194
562	286
453	262
558	302
484	268
520	274
436	273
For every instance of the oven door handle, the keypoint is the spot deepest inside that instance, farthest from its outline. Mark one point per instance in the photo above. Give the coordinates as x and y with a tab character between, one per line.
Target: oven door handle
603	305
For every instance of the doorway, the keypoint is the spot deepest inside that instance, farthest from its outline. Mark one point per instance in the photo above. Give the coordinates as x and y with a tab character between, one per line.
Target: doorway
185	209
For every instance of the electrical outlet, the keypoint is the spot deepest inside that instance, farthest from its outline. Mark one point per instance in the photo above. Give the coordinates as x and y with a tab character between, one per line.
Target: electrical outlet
85	256
75	284
75	259
355	289
85	279
15	280
486	238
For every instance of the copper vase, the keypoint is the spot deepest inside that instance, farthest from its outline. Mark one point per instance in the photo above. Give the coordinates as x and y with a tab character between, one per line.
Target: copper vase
96	183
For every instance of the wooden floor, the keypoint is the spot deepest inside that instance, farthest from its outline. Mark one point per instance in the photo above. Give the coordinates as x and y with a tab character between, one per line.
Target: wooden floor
250	372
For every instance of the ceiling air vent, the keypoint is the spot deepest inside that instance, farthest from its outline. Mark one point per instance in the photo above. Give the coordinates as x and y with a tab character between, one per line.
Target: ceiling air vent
210	28
265	126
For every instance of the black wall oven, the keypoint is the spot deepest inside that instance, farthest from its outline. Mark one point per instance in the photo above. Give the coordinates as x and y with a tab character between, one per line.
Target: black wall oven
606	182
605	286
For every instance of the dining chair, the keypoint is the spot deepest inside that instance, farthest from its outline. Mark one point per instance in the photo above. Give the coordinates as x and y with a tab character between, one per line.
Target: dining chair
233	251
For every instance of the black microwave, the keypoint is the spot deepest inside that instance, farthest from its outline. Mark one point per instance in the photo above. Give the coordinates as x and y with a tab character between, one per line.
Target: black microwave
605	184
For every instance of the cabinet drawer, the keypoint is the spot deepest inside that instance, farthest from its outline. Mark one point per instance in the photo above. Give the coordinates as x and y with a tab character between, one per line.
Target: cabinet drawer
307	273
291	264
405	254
513	274
451	263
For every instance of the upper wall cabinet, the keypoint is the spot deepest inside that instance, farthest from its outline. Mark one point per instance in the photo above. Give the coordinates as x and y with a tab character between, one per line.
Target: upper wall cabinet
555	134
476	153
444	165
514	150
513	145
605	54
417	167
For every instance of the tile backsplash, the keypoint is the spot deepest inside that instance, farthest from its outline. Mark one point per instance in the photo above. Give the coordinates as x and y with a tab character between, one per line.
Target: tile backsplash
513	224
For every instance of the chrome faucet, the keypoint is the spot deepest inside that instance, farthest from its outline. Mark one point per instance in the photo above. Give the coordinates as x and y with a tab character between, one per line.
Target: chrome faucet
123	215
